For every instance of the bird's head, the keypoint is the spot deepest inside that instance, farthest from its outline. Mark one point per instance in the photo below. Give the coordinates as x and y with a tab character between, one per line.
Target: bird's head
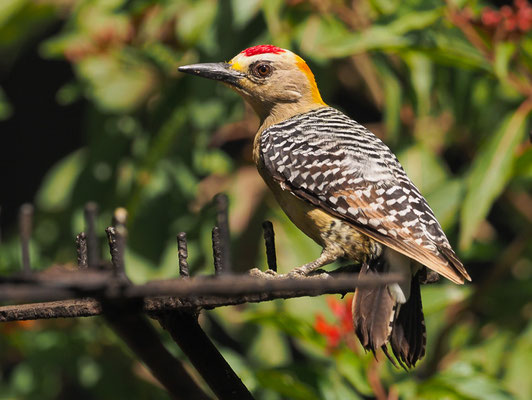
275	82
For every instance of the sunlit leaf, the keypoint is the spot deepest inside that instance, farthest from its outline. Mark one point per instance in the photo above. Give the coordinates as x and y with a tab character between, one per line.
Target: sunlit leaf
8	8
421	76
195	20
383	37
327	37
503	55
244	10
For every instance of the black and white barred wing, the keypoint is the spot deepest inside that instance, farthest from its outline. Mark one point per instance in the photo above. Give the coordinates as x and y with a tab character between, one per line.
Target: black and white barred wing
333	162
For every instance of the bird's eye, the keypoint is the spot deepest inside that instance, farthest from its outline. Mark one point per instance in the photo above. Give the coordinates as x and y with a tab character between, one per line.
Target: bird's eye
262	70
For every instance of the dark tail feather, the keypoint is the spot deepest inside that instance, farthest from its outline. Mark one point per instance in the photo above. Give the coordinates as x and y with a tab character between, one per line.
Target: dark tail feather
378	320
408	338
373	310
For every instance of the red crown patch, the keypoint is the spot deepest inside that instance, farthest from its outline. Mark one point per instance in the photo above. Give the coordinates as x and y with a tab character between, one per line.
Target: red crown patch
262	49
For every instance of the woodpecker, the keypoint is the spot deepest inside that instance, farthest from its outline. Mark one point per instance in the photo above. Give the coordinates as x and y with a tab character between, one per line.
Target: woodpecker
345	189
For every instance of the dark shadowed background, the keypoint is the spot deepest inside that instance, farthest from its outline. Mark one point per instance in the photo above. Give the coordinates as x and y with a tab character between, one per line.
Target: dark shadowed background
92	109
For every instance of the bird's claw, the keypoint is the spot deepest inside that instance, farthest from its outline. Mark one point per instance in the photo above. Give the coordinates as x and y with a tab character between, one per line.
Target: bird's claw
298	273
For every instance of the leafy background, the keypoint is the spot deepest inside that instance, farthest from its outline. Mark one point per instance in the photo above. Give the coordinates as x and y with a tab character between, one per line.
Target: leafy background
92	109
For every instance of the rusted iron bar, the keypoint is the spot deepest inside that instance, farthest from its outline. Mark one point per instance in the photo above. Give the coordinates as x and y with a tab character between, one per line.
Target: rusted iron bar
187	333
145	342
192	293
124	315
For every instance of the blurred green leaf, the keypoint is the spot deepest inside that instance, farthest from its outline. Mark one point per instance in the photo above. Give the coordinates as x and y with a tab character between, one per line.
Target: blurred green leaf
386	37
523	164
393	99
327	37
353	368
517	374
23	379
276	26
195	20
19	20
470	384
244	11
57	188
147	143
292	326
5	108
284	383
438	297
118	83
420	69
445	200
269	347
423	167
68	93
8	8
490	172
503	55
385	6
450	49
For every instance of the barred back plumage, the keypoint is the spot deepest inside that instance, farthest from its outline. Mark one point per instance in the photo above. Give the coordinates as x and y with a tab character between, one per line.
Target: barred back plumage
327	158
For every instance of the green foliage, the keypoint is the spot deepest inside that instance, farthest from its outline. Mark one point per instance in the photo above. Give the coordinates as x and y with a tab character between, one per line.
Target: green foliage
449	94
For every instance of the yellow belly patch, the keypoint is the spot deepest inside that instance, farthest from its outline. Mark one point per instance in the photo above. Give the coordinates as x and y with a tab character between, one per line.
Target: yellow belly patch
326	230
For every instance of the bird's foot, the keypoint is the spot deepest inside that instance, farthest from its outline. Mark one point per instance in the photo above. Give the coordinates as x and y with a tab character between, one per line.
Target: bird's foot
257	273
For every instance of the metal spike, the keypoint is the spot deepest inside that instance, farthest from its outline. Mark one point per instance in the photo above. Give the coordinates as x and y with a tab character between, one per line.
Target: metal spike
221	202
269	241
25	226
116	248
182	252
81	249
217	250
93	246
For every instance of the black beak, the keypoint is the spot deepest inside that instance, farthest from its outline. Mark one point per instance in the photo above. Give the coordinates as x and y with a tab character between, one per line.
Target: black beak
216	71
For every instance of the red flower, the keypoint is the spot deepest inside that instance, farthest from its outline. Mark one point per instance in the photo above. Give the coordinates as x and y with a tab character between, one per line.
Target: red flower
509	19
490	17
342	328
332	333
